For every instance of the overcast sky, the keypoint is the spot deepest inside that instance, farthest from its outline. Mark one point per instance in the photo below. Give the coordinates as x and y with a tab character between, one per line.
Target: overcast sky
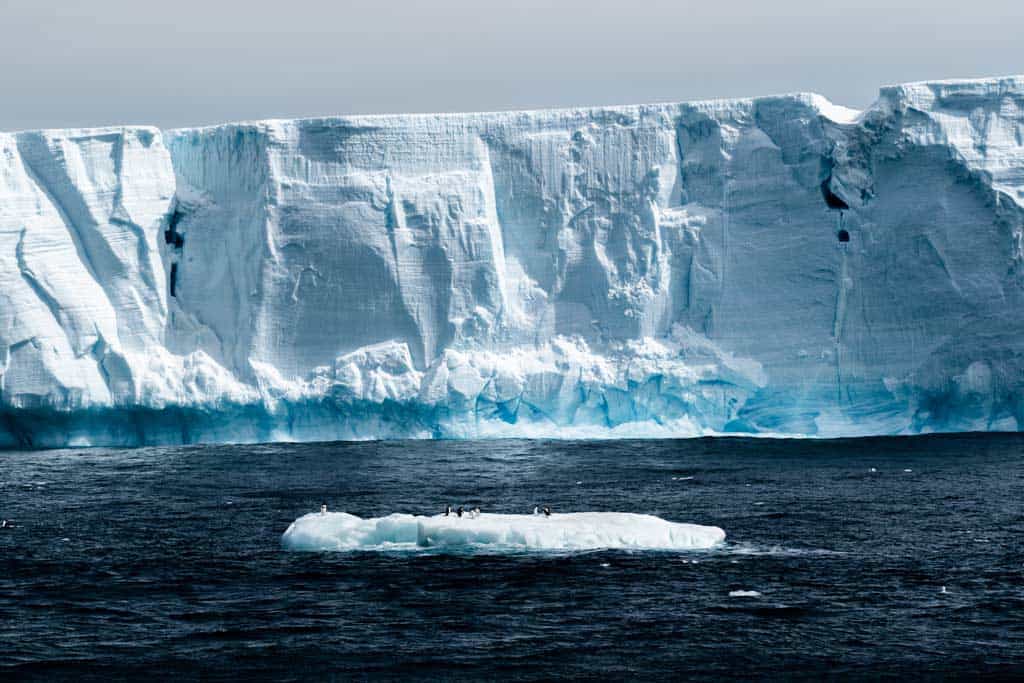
190	62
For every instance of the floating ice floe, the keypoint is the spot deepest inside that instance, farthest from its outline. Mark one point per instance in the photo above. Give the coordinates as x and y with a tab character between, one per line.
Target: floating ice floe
570	531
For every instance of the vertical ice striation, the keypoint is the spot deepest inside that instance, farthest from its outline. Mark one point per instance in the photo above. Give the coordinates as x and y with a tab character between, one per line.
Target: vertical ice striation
82	275
772	265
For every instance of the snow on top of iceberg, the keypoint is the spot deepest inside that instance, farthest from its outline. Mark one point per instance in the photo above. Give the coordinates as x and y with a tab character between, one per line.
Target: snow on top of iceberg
570	531
279	126
1009	80
835	112
958	92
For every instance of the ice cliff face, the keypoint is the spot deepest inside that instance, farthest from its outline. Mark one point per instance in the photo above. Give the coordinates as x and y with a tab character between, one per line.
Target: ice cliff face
776	265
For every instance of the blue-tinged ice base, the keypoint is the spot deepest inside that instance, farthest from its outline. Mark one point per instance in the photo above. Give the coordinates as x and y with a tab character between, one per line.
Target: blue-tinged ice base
578	531
679	387
672	388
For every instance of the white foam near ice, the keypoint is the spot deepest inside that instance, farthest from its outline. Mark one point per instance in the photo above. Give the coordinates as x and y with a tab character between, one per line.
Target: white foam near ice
569	531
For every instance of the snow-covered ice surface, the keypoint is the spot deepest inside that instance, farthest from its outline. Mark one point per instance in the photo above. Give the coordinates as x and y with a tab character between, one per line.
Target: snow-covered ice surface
779	265
497	532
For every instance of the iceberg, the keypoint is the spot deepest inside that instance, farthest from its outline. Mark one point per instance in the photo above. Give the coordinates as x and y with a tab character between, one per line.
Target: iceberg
777	265
339	531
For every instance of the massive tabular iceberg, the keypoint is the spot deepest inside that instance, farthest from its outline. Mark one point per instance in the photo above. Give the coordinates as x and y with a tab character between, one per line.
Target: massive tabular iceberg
773	265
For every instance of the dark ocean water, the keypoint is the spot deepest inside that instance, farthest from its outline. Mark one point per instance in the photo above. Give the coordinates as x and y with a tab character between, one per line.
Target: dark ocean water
167	562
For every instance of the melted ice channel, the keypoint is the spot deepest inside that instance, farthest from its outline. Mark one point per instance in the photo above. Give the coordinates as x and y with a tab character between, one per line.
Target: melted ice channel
570	531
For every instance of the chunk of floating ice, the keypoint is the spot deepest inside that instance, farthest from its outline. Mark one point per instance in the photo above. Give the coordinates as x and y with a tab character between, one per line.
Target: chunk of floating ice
908	470
572	531
744	594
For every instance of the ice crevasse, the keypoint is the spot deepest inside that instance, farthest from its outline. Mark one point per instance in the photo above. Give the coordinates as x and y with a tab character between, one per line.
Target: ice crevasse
778	265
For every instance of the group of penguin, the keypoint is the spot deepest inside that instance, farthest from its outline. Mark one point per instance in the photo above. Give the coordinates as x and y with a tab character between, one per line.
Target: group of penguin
472	514
475	512
448	511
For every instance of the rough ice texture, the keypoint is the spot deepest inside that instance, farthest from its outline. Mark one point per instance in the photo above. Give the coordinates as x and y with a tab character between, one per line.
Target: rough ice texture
572	531
776	265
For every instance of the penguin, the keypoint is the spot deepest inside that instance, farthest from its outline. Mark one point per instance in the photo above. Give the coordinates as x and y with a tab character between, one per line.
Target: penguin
459	511
323	508
547	511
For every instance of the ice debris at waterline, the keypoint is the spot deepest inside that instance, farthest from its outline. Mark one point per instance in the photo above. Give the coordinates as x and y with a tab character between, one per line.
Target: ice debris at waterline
570	531
775	265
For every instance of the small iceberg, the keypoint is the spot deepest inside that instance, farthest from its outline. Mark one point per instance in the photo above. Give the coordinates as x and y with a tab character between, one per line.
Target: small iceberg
744	594
340	531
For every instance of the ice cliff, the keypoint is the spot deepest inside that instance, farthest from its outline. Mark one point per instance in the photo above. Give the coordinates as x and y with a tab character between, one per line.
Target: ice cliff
774	265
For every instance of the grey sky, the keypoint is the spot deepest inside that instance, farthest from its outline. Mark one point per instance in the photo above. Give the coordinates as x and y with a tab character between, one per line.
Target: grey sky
191	62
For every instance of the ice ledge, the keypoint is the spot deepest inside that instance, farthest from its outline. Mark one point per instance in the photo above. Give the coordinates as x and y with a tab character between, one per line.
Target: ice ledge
682	385
957	93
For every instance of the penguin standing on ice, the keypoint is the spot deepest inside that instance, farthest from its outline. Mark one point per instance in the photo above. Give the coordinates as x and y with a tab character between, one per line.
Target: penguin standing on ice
323	508
459	511
547	511
447	510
